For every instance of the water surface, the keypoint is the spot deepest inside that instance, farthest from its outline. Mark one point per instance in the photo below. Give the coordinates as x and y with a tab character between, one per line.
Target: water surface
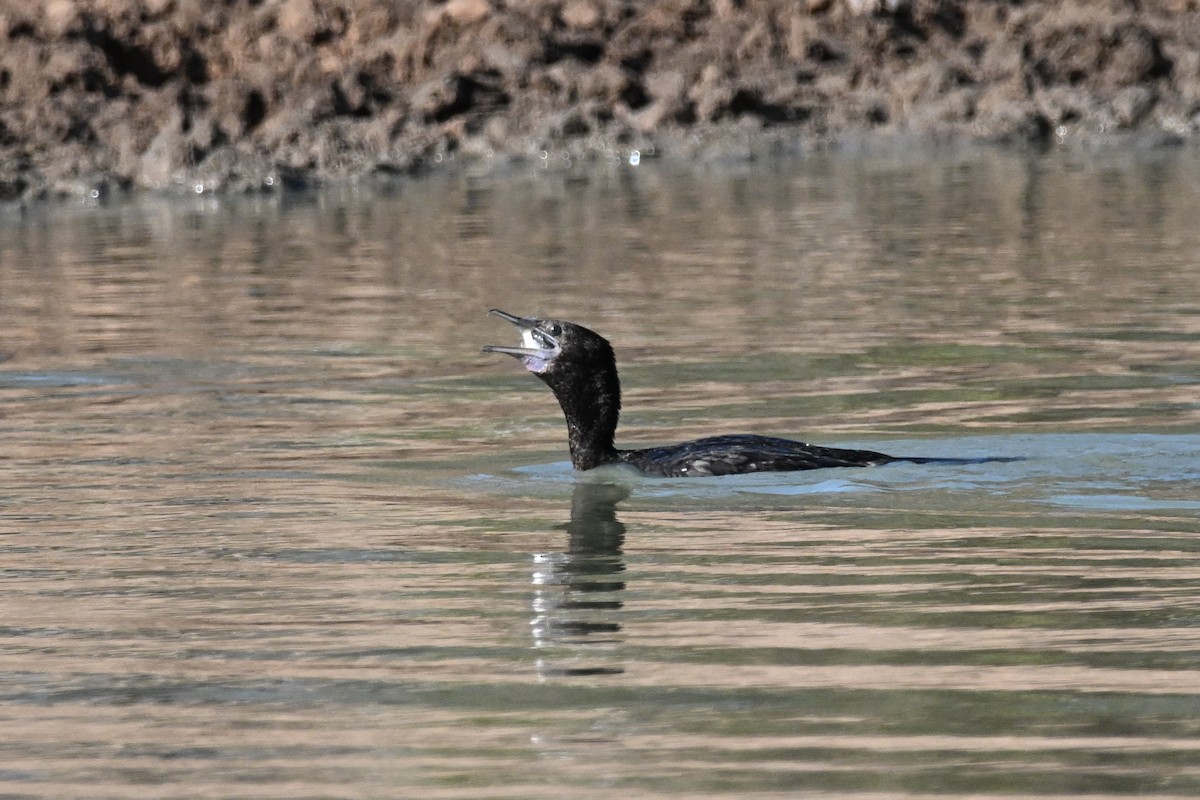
273	527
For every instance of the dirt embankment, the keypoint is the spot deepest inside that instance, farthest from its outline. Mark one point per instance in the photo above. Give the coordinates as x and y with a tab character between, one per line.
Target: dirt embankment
244	94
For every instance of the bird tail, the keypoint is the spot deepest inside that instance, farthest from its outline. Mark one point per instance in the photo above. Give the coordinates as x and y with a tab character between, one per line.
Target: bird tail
959	461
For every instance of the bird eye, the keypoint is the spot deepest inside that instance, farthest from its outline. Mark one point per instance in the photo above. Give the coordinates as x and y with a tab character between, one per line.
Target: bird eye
555	329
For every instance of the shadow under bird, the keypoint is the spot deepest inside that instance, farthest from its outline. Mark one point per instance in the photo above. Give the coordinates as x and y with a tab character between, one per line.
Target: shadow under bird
579	366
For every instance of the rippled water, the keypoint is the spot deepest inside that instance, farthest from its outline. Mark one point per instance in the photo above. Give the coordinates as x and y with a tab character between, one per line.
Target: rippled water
273	527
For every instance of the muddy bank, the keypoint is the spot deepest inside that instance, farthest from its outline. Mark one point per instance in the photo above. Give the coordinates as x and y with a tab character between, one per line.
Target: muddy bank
100	94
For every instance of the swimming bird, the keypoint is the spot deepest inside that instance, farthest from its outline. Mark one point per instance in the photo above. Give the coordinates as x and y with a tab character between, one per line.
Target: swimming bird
579	366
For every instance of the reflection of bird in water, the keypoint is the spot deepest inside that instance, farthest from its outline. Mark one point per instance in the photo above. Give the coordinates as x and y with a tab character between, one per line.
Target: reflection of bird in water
579	367
578	591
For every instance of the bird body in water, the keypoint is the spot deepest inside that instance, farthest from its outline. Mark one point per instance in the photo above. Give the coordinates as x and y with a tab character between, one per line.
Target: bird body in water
580	368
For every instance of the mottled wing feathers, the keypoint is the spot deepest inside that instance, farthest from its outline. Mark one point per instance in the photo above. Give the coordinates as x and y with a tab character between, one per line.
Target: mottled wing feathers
738	454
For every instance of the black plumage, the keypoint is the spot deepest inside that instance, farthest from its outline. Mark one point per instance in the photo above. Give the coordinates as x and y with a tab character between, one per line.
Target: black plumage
580	368
741	453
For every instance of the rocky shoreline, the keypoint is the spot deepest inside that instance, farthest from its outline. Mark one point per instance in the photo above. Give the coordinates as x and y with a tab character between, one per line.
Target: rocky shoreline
97	95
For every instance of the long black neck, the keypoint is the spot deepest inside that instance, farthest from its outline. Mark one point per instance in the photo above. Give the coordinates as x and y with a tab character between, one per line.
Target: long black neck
590	397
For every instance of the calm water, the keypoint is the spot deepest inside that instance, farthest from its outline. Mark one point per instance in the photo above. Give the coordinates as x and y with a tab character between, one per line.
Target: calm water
273	527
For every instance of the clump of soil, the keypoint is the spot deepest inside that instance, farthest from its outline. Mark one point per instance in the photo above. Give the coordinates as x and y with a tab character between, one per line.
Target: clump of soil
247	94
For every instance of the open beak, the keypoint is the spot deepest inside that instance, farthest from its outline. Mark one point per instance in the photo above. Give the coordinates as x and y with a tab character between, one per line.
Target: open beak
539	347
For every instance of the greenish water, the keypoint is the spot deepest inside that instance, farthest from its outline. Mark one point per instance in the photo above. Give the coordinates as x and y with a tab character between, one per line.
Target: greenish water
272	526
